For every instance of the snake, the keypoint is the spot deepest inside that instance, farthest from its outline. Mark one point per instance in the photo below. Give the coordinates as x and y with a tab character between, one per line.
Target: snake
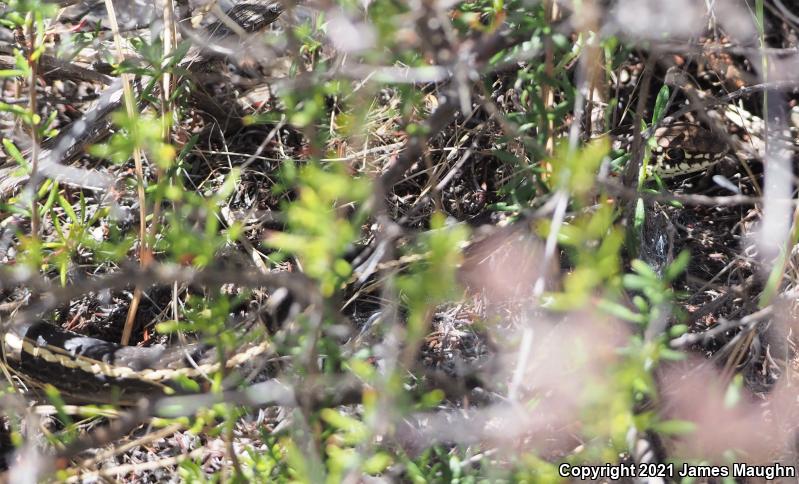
38	354
251	16
685	148
91	370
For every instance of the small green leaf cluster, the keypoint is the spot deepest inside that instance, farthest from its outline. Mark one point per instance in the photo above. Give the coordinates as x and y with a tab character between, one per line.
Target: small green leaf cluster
83	234
14	15
594	244
137	132
320	227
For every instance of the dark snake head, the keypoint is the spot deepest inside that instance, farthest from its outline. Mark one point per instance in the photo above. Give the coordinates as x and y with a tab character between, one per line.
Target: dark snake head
684	148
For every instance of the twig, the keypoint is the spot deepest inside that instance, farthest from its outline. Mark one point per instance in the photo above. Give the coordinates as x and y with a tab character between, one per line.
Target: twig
690	339
130	108
33	108
688	199
122	470
150	437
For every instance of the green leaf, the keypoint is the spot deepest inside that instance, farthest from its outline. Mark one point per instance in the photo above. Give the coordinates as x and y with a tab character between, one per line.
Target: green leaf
643	269
11	73
455	466
621	312
51	198
62	271
14	152
377	463
641	303
674	427
68	209
432	398
678	330
54	396
635	283
187	384
677	266
57	226
639	217
734	392
343	422
660	104
671	355
21	62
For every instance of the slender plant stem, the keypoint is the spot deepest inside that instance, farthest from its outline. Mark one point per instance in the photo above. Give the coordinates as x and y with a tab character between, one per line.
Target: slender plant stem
33	64
130	107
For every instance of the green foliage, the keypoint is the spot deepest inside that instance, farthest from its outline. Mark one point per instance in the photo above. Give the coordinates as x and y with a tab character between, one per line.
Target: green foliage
309	35
453	464
575	170
77	235
657	116
432	282
594	244
660	105
523	105
342	452
138	132
15	13
631	379
192	232
320	231
27	15
654	294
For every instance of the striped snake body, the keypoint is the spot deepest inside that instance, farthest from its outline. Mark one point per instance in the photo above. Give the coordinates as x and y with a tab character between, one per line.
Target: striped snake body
93	370
88	369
